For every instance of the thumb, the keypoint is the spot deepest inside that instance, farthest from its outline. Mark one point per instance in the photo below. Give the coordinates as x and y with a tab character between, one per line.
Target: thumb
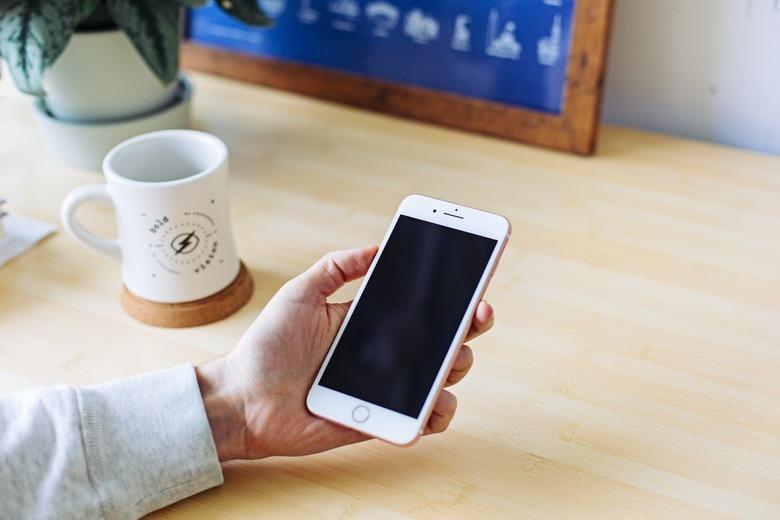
334	270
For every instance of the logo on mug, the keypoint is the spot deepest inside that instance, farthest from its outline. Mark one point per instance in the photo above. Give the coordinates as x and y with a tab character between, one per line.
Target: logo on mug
185	243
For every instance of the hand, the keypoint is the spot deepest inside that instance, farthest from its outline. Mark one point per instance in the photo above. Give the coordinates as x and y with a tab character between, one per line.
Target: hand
255	396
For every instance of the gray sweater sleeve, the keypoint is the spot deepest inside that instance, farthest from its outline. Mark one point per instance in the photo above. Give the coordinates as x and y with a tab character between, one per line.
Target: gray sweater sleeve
117	450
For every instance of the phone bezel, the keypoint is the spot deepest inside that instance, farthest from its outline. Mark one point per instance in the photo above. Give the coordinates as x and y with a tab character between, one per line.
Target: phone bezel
384	423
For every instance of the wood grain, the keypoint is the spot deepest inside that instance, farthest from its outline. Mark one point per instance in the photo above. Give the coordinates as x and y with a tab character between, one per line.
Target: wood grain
574	130
634	369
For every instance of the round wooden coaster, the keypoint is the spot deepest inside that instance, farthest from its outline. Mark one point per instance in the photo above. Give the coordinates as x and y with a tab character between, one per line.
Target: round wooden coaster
191	314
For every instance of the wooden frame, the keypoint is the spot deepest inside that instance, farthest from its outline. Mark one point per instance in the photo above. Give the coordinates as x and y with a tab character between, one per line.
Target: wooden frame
573	130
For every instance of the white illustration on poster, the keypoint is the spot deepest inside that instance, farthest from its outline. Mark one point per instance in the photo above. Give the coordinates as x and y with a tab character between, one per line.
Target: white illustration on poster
346	8
548	48
421	27
273	7
343	25
555	3
307	14
461	36
504	44
348	11
384	16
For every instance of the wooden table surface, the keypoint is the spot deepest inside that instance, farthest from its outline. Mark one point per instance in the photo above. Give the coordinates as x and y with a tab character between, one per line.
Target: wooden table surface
634	369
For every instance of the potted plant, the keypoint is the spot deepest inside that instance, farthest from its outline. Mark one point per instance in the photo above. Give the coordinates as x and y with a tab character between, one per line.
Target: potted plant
102	70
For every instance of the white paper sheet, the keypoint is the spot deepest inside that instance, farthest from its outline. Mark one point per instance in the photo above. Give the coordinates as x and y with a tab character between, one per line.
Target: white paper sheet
21	233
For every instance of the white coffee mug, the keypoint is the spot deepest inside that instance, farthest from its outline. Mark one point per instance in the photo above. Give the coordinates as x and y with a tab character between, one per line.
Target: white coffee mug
169	190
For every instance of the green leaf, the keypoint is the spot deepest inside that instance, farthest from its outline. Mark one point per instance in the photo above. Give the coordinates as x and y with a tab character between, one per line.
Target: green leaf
33	34
248	11
191	3
86	8
153	27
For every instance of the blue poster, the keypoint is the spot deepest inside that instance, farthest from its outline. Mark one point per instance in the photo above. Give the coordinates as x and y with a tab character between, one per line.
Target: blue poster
513	52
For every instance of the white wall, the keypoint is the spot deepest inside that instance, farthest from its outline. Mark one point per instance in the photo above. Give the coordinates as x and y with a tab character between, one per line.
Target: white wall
707	69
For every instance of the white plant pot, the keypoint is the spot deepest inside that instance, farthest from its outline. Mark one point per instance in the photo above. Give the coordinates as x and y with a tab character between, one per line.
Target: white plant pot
85	144
100	77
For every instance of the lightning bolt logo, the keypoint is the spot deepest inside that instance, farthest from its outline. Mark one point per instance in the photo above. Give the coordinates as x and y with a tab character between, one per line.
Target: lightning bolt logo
184	243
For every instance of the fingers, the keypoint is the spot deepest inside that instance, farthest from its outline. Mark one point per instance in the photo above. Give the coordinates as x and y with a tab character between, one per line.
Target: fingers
481	323
444	409
483	320
443	412
334	270
460	367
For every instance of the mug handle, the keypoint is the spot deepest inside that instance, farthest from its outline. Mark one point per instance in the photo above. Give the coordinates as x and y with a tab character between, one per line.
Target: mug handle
72	202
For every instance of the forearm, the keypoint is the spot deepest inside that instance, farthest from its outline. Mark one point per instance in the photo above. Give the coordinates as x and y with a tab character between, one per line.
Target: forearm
118	450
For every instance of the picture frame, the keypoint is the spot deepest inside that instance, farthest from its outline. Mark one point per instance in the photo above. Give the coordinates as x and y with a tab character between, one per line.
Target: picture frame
574	129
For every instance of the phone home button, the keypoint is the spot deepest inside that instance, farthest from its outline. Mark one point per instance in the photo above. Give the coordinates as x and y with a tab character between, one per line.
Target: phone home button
361	414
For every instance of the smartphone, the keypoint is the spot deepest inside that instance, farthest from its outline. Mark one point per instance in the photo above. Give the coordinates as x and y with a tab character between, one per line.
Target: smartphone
391	356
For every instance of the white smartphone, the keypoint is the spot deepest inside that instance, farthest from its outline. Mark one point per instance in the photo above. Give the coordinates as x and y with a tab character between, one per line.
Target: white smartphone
396	345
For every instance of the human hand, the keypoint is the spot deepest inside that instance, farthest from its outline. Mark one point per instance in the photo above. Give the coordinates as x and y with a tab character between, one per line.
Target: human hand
255	396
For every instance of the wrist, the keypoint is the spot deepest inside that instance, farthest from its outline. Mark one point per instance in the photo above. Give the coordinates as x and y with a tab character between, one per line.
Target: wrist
224	410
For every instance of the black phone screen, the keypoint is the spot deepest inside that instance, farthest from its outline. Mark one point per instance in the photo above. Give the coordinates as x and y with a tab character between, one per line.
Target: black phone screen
395	342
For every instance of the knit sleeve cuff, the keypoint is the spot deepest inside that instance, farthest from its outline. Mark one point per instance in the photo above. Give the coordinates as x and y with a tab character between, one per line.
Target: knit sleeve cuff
147	441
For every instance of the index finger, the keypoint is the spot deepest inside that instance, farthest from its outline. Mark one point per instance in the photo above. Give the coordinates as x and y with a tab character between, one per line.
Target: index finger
482	321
